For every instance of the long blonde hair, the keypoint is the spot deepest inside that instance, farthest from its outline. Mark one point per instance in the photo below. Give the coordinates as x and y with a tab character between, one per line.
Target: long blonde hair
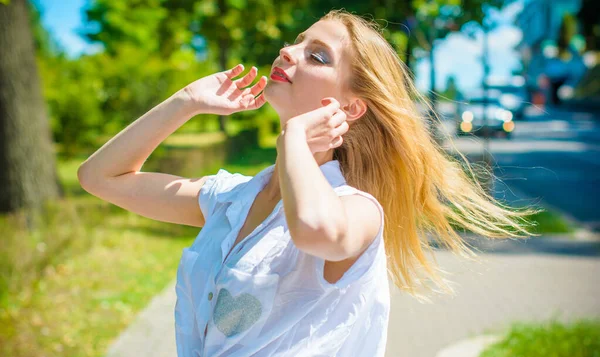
391	154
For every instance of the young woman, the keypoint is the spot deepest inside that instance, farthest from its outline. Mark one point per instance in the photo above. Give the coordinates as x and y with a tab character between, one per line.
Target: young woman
293	261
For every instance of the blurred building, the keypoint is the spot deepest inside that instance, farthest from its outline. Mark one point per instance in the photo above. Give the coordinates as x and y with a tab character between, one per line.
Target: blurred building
550	27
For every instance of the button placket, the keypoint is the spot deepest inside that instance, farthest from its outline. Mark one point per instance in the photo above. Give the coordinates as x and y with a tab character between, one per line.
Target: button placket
241	245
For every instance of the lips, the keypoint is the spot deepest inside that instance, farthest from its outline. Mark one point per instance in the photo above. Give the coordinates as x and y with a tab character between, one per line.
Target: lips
281	72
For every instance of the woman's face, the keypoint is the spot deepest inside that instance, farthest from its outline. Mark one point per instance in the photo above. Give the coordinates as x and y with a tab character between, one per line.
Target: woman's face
316	66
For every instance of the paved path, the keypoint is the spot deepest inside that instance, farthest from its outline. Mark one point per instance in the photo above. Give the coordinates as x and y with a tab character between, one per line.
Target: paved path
526	281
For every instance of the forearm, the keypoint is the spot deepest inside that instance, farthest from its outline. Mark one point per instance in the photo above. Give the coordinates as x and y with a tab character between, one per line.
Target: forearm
312	207
129	149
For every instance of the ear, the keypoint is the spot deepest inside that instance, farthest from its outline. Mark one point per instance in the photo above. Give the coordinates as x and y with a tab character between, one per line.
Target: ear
355	109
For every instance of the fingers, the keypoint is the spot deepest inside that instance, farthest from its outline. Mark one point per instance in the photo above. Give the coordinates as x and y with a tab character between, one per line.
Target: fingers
259	86
336	142
331	105
247	79
257	102
235	71
339	117
340	129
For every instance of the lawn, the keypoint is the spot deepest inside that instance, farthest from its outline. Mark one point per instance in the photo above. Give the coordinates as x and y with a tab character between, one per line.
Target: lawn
580	338
70	287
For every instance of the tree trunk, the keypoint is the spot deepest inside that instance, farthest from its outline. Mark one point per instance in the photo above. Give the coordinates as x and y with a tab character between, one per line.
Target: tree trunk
28	174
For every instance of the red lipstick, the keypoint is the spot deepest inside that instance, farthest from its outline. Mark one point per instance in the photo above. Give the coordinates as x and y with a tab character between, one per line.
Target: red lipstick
279	74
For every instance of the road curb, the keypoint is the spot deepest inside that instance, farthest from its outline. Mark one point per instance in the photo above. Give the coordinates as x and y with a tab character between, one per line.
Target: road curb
469	347
581	231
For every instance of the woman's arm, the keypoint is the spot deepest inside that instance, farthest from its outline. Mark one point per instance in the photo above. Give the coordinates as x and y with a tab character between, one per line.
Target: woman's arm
113	172
218	93
321	223
314	212
128	150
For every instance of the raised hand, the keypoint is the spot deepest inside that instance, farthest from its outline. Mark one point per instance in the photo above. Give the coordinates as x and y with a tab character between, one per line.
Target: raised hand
323	126
221	94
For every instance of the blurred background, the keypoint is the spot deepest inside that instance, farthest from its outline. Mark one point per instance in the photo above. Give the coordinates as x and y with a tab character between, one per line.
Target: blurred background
515	84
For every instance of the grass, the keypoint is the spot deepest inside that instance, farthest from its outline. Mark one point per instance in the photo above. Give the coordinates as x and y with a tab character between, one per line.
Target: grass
86	279
71	286
544	223
550	222
74	284
552	339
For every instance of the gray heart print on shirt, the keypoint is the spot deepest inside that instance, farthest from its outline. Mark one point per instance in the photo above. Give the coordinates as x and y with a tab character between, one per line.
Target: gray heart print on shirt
232	316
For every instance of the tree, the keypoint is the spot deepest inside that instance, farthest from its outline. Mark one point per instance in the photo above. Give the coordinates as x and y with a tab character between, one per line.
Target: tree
589	16
222	32
28	174
244	30
451	91
414	23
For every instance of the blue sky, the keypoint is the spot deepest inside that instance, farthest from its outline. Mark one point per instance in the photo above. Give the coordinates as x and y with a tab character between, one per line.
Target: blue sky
456	55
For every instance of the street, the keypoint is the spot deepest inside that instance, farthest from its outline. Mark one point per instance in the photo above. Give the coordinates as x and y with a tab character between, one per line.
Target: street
553	156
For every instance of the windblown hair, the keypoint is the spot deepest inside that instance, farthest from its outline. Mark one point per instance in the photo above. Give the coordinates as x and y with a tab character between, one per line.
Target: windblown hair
391	153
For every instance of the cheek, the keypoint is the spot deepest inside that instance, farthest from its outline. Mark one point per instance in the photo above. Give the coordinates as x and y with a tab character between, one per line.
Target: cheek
312	87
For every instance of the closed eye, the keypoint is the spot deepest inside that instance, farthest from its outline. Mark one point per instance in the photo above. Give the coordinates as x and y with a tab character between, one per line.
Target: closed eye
314	56
317	58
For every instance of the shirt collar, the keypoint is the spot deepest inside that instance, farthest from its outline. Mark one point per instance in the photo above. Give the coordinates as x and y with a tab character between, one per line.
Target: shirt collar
331	170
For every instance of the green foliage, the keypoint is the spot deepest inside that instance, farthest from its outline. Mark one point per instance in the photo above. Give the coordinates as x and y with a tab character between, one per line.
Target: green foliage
553	339
589	17
74	284
451	92
73	94
44	43
150	49
126	22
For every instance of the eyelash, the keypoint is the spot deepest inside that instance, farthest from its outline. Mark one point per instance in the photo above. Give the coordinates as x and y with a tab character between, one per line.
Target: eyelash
316	58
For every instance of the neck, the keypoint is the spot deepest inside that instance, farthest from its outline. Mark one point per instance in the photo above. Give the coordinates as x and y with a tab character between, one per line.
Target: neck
273	188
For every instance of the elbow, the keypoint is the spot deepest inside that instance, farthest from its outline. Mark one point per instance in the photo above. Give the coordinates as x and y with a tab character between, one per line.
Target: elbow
85	177
81	175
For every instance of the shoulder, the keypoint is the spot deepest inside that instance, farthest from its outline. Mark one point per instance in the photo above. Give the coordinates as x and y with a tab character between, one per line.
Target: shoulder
365	209
223	181
364	218
219	188
355	198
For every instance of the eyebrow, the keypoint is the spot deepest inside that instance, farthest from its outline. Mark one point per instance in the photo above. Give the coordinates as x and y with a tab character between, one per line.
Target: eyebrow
302	35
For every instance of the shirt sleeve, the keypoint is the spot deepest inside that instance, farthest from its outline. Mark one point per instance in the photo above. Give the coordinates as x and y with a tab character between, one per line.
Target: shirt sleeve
366	264
222	181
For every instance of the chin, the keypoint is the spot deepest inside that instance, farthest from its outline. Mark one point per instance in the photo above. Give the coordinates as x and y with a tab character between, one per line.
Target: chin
275	100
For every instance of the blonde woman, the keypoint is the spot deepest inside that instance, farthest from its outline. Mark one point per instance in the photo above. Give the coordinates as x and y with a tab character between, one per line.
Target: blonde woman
294	261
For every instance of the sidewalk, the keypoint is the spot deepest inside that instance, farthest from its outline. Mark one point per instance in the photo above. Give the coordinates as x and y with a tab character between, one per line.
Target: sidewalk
518	280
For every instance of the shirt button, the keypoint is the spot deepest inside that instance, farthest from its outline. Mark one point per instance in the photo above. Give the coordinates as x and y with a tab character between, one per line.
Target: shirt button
210	295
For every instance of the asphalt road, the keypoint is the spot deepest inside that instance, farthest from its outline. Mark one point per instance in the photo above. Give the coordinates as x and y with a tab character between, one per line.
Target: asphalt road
553	158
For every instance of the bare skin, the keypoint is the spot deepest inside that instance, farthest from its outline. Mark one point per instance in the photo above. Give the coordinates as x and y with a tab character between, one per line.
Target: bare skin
337	229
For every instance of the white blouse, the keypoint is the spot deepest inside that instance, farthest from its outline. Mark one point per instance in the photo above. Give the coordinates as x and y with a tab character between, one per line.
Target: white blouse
268	298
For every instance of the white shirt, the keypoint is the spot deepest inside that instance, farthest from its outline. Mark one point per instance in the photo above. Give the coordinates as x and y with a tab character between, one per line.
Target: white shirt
268	298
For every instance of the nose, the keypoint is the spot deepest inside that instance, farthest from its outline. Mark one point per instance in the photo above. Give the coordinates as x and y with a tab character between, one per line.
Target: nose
286	54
